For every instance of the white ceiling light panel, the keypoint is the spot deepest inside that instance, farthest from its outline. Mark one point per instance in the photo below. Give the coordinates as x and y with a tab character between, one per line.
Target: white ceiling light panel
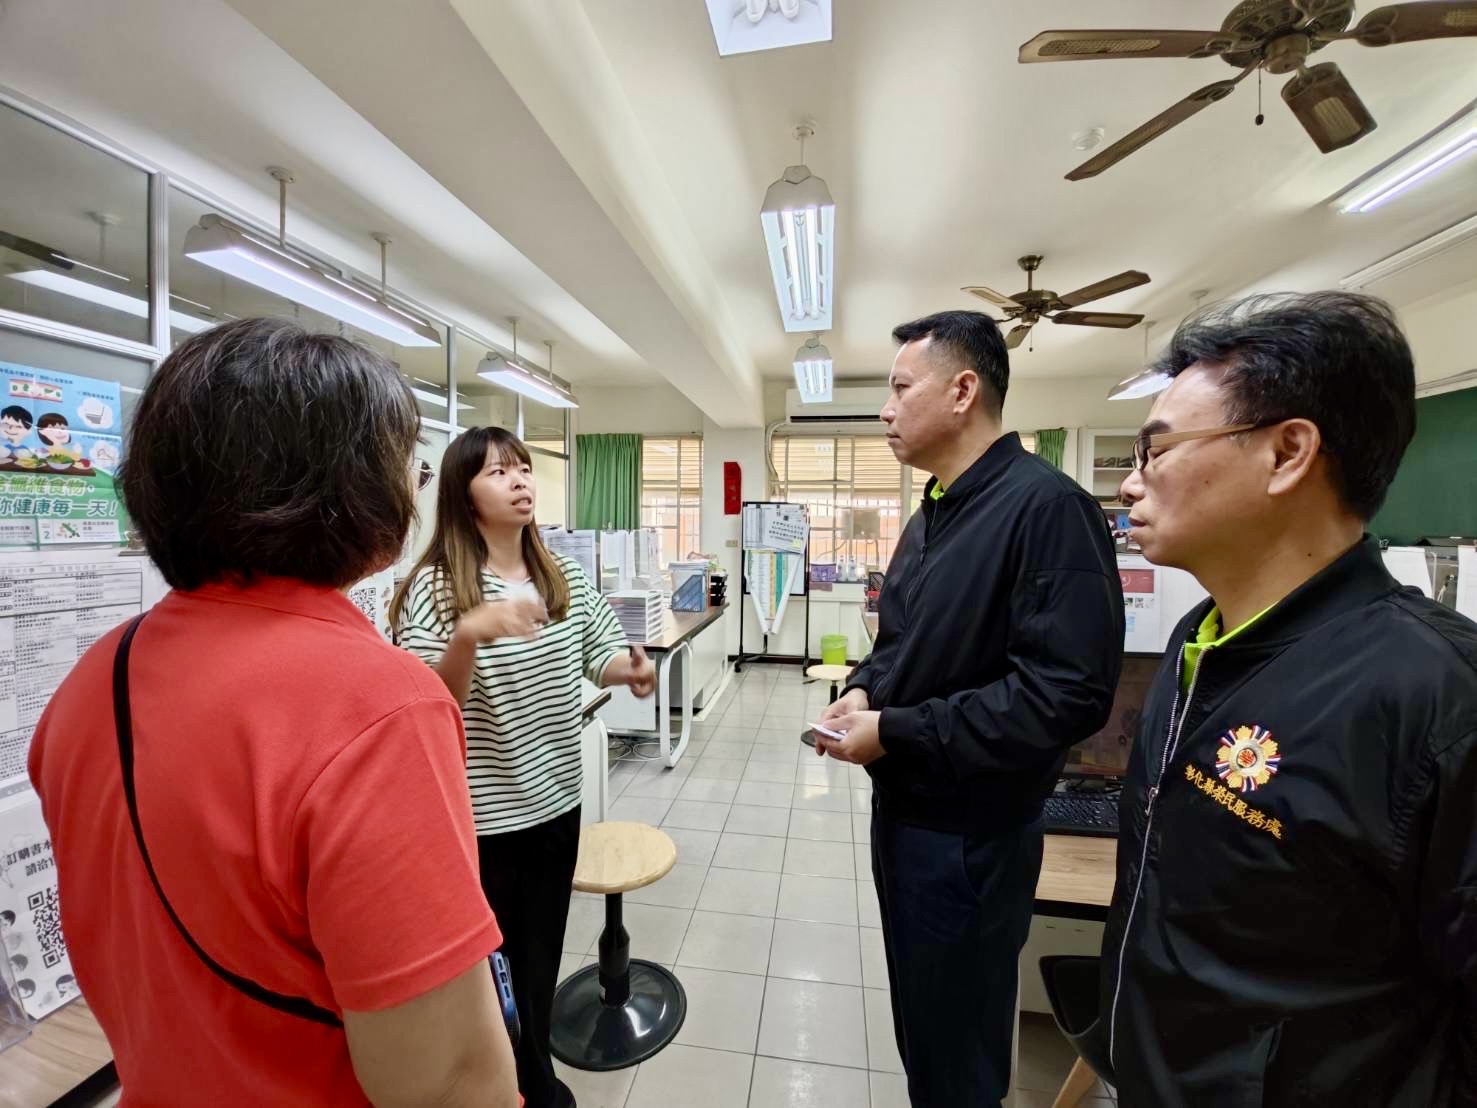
744	26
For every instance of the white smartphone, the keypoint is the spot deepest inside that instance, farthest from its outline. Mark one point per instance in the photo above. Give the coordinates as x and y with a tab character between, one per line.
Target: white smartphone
822	729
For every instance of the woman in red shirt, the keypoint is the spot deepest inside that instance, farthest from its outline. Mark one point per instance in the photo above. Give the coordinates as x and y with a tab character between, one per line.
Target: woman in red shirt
298	783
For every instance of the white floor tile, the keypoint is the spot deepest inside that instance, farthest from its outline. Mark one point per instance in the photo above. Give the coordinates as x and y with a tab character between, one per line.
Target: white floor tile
753	819
861	801
683	1075
868	913
764	793
770	771
874	958
863	855
827	952
881	1042
586	918
651	785
721	941
861	827
890	1090
810	1021
725	765
678	889
811	858
708	791
756	852
817	899
773	754
831	827
696	815
571	963
597	1090
826	773
694	848
815	798
722	1009
638	809
741	891
780	1083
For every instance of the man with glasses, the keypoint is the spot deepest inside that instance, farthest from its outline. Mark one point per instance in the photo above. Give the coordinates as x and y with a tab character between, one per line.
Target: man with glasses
1295	919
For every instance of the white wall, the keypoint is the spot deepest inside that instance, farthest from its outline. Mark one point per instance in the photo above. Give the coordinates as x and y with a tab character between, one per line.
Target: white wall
648	410
721	532
1440	332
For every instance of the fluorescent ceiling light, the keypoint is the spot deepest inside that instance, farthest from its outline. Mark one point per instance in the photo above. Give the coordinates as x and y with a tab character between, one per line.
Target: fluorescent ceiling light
438	401
813	375
1444	148
744	26
1146	382
218	244
108	298
799	220
511	374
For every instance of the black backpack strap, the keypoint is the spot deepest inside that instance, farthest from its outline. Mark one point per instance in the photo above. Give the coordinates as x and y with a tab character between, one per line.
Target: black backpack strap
123	718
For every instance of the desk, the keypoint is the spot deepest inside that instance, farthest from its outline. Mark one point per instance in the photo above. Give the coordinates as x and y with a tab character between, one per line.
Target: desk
67	1050
673	646
1077	877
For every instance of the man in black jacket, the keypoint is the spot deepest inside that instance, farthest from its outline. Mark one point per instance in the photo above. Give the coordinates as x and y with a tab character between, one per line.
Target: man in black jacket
999	643
1295	921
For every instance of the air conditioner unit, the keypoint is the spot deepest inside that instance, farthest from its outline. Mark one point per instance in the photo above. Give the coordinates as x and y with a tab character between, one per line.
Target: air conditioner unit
846	406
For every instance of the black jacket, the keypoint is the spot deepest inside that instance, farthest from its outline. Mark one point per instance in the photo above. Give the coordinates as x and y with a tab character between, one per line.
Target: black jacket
999	642
1312	941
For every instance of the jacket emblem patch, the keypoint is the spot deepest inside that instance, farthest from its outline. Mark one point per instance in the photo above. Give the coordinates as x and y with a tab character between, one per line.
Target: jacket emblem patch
1248	758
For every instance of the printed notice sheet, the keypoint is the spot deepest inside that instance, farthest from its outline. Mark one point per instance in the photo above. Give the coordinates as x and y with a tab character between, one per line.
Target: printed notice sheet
32	930
53	606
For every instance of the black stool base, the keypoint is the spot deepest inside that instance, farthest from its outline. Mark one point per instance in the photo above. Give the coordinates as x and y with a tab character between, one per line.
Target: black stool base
588	1034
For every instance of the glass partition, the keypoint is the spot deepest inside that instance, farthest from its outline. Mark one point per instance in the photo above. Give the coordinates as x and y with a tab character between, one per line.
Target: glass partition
74	231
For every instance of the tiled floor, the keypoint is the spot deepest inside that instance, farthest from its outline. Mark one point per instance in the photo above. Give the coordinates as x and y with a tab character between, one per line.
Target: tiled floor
770	921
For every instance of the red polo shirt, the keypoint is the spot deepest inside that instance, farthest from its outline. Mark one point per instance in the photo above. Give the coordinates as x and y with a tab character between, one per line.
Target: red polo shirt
302	789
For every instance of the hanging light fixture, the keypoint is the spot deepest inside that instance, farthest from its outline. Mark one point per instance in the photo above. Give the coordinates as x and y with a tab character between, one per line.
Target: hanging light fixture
117	299
515	374
240	253
1146	382
813	372
799	220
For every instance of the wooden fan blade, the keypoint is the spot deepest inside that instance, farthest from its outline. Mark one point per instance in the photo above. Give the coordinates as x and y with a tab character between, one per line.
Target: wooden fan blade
1128	279
1328	107
1076	46
1148	132
1097	319
1414	22
1017	336
997	298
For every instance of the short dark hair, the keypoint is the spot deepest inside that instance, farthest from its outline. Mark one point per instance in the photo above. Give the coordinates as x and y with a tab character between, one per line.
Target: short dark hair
261	450
973	338
1338	359
52	419
17	413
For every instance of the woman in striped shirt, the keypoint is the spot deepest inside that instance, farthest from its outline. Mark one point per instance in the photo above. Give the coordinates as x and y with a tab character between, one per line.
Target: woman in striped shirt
509	627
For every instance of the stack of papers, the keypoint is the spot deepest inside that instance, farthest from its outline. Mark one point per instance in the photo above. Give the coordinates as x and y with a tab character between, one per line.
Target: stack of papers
642	613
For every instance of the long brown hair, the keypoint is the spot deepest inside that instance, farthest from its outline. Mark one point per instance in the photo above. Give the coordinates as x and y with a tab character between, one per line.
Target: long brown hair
457	552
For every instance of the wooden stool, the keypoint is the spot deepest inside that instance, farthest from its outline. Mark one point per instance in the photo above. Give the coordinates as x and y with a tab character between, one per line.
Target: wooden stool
834	674
621	1010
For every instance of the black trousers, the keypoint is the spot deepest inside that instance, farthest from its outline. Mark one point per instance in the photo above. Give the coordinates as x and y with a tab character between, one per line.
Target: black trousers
956	910
528	876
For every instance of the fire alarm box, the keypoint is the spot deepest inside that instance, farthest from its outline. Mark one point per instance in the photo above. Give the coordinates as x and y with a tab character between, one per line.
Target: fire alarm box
733	491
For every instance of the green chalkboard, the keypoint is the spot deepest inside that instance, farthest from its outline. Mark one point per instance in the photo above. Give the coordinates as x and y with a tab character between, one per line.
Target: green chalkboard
1435	492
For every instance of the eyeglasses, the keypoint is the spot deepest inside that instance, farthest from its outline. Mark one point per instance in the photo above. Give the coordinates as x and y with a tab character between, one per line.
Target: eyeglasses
1144	443
424	474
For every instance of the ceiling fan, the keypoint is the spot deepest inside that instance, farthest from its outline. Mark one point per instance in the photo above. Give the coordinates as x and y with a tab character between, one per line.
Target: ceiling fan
1033	305
1275	35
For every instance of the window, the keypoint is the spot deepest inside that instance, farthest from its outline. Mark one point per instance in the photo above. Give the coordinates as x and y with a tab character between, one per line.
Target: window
853	487
672	493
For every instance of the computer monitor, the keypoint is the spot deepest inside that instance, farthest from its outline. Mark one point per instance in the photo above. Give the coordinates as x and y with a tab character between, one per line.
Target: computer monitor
1105	754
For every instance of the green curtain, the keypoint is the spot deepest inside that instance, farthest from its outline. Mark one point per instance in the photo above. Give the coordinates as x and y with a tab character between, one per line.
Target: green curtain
607	482
1051	445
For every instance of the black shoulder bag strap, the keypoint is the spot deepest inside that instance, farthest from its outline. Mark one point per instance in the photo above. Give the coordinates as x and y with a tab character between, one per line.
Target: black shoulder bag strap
123	717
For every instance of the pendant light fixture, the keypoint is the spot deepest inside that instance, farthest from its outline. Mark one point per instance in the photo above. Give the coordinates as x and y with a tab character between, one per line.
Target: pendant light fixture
1146	382
118	299
515	374
813	375
799	221
242	254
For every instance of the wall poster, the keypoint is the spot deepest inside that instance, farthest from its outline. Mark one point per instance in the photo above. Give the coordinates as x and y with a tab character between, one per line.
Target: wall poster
61	438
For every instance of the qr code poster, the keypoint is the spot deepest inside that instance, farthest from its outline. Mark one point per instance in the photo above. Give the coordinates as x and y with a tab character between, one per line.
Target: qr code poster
372	597
30	918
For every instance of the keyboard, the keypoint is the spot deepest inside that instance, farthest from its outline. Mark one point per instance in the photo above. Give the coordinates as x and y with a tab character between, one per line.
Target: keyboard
1082	814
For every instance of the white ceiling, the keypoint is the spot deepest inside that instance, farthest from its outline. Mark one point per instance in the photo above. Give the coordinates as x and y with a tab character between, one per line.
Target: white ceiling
596	167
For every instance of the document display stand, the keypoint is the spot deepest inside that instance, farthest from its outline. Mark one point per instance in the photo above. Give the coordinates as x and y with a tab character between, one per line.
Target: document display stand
776	568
